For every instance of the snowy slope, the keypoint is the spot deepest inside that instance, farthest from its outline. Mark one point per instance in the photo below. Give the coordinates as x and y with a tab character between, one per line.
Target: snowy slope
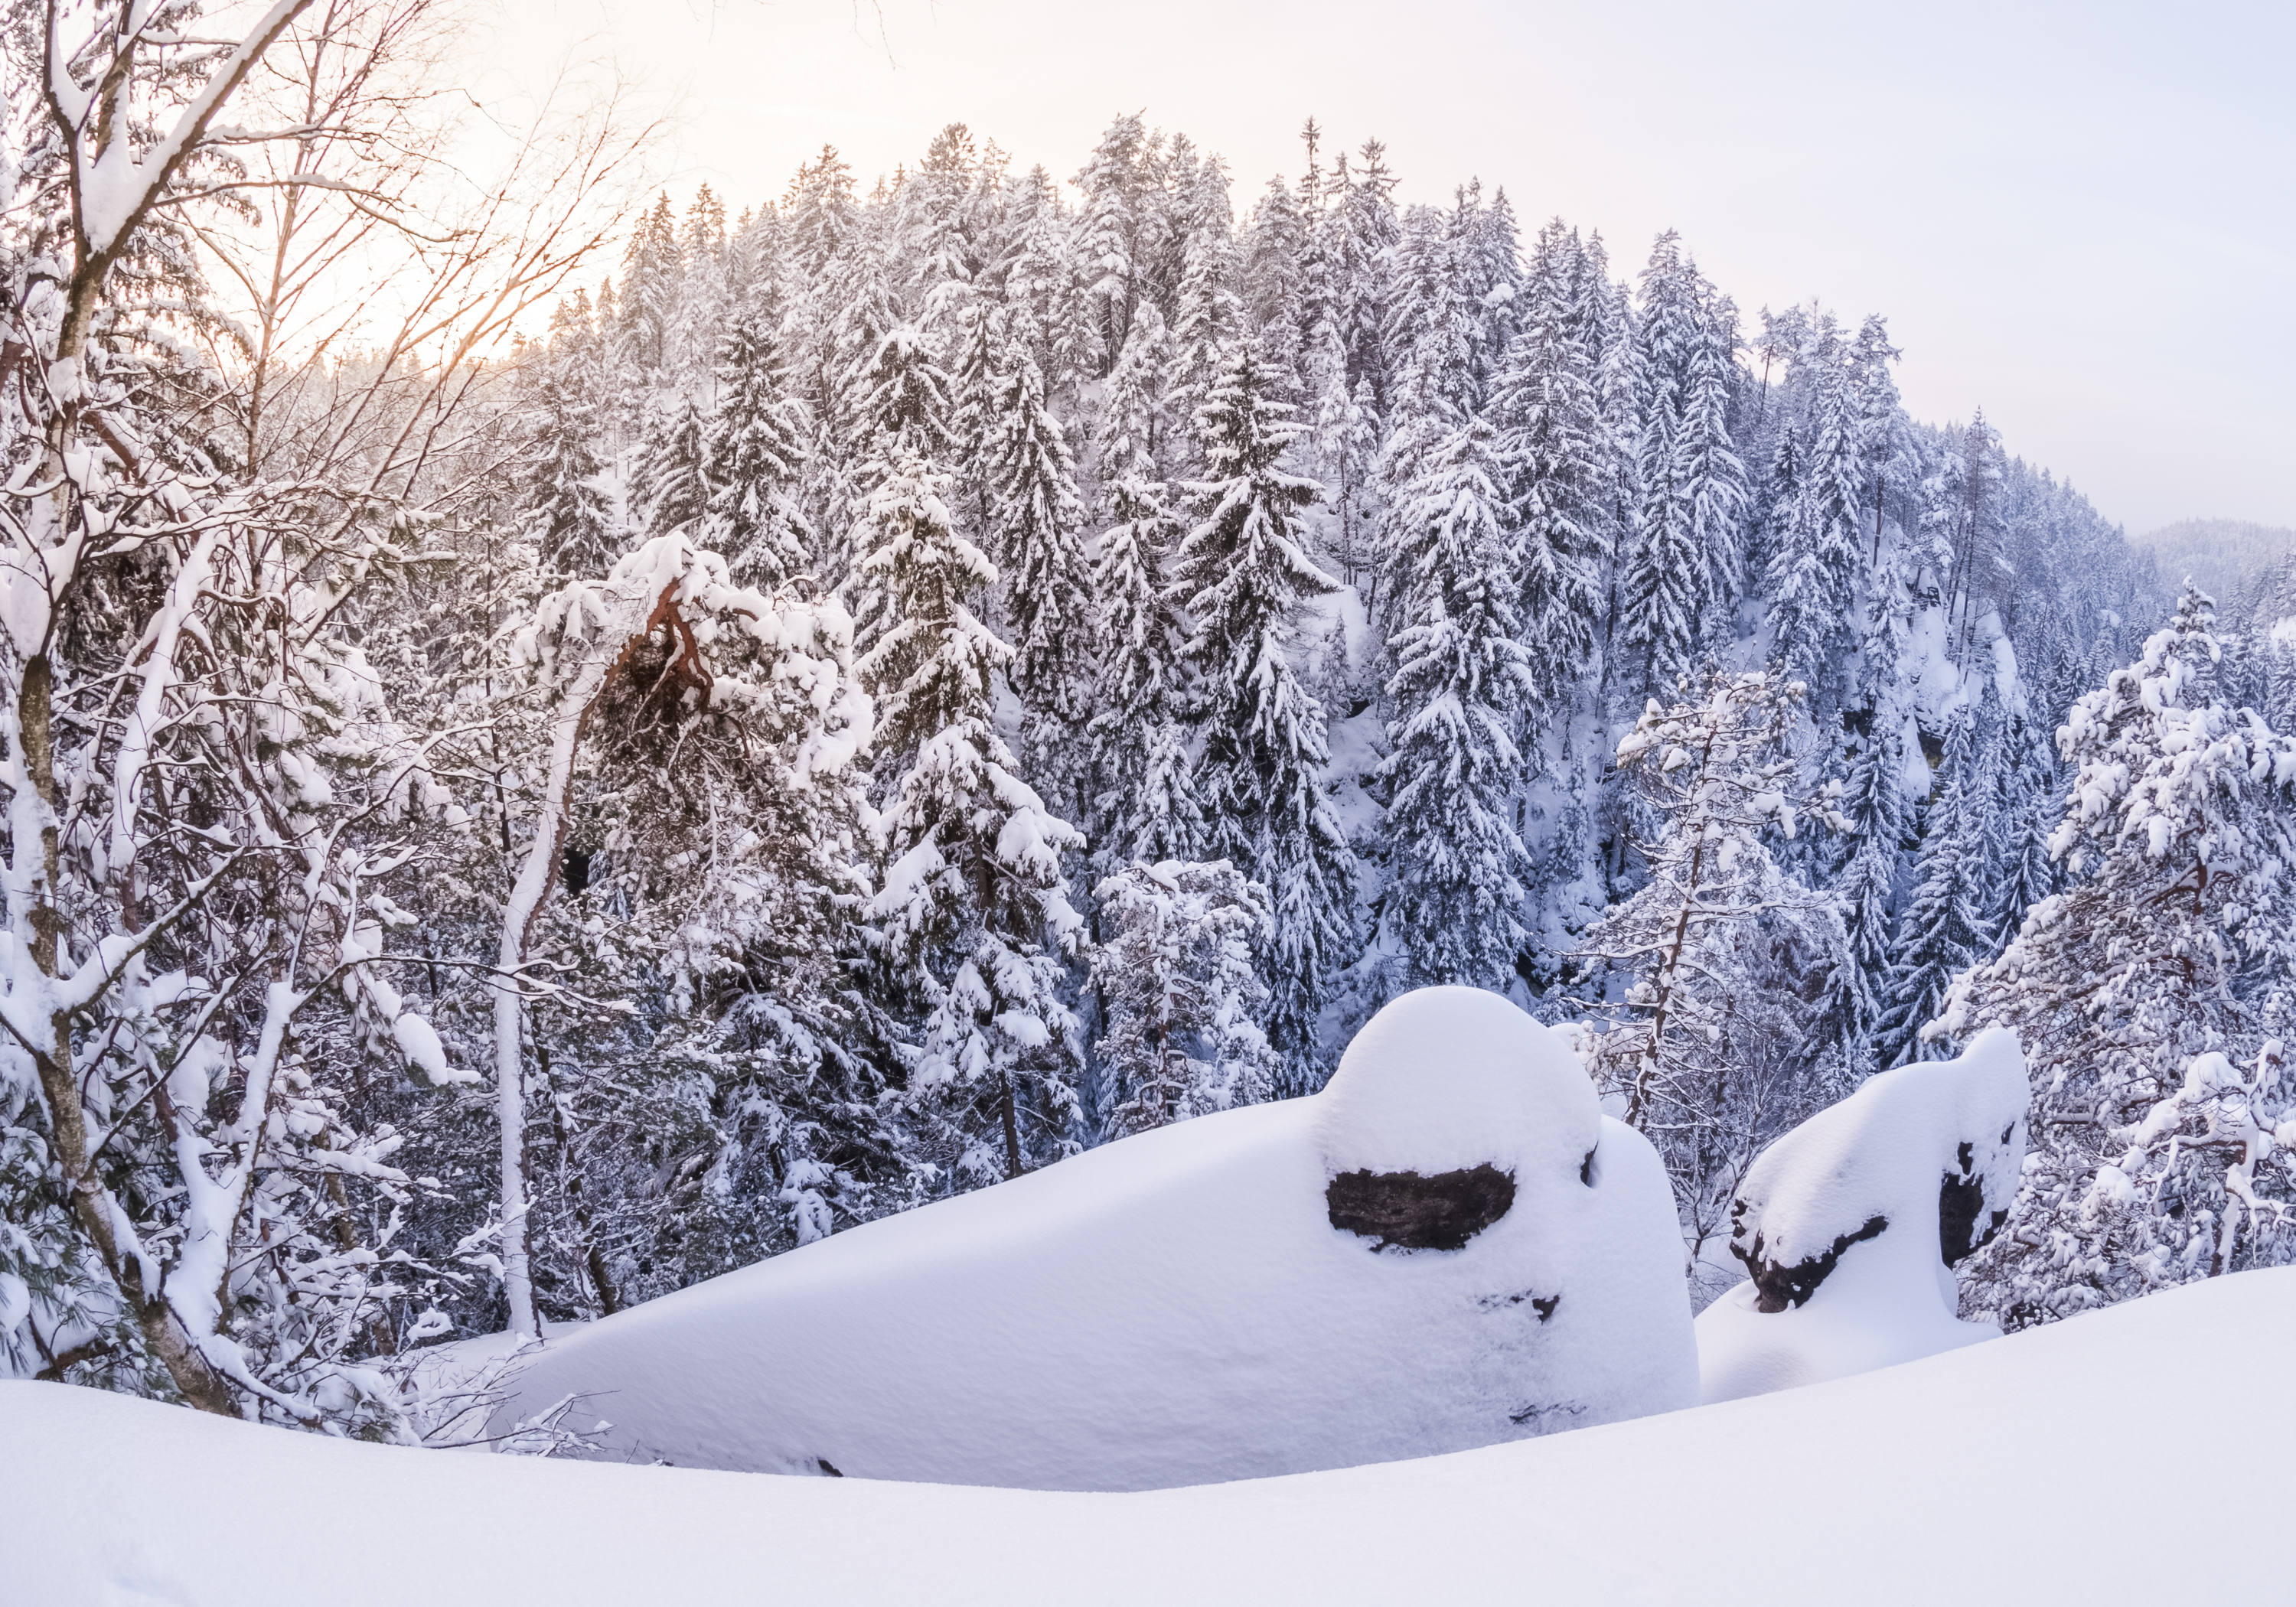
1982	1475
1187	1305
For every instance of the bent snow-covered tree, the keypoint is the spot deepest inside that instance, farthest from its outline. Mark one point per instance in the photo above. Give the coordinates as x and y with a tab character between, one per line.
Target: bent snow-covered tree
583	639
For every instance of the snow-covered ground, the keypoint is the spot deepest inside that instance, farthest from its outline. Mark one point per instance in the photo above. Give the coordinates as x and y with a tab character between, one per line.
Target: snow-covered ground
1995	1473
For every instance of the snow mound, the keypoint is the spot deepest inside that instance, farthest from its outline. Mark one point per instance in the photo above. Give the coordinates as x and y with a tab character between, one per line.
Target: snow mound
1851	1223
1448	1247
1959	1478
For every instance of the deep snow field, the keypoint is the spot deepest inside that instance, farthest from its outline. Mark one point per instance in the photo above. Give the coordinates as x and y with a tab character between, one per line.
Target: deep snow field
2135	1453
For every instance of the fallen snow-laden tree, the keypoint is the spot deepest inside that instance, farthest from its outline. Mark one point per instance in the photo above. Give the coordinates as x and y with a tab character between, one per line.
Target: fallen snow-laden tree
1450	1246
669	636
1852	1224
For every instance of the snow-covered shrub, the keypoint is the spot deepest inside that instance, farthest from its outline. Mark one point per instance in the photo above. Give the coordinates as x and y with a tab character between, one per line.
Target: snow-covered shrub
1850	1225
1448	1247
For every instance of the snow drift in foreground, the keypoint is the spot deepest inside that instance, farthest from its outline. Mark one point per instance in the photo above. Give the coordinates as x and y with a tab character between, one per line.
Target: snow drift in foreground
1852	1222
1983	1475
1448	1247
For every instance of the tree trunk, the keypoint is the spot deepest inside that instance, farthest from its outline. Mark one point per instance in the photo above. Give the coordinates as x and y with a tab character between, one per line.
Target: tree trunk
1011	1125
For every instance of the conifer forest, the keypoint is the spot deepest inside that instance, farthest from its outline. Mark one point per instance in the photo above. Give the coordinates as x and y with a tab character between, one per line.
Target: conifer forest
562	739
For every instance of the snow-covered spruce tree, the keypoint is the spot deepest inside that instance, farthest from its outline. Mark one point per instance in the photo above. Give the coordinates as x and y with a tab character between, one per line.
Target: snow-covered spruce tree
2025	816
1941	930
1683	567
1205	323
669	485
650	271
1551	463
752	460
1041	550
571	519
1458	676
1269	273
2152	998
1146	807
1109	228
1130	437
1865	875
1431	340
1731	958
1817	551
1238	574
1177	969
972	910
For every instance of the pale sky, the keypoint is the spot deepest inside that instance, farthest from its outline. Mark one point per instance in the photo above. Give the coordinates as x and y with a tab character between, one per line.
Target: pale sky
2077	216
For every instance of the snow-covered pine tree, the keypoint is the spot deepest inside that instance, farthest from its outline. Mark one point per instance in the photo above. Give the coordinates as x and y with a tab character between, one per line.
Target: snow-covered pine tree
1178	971
752	460
1551	458
1459	674
2153	998
1941	930
669	482
972	911
1817	554
1239	573
1048	596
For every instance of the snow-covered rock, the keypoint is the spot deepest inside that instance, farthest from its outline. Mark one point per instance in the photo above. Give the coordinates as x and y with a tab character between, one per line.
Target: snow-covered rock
1850	1225
1448	1247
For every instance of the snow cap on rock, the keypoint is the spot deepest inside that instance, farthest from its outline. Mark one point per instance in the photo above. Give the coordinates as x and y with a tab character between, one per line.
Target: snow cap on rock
1448	1078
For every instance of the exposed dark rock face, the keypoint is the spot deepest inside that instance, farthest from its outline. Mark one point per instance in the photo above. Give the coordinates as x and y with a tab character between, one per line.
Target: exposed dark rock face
1777	1287
1961	1202
1404	1211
